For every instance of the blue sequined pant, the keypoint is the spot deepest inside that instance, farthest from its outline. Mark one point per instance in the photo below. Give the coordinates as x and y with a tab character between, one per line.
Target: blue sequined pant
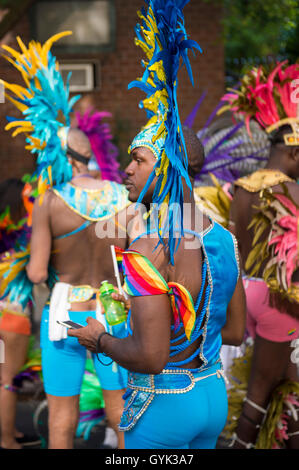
191	420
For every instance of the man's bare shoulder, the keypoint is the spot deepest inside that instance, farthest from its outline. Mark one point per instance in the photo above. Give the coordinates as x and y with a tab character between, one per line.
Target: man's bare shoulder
242	197
43	202
241	193
147	246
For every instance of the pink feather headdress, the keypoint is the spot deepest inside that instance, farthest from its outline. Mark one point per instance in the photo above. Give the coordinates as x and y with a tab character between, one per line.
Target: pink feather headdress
100	137
271	98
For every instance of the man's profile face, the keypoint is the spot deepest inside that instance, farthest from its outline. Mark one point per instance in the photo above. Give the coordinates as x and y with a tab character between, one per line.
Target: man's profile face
138	172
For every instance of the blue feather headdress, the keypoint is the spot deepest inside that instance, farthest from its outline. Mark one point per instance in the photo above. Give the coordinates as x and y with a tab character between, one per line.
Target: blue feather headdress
45	105
163	38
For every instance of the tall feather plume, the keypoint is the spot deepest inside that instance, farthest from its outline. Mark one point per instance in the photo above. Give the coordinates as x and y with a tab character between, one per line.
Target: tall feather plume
163	38
267	96
229	151
45	106
100	138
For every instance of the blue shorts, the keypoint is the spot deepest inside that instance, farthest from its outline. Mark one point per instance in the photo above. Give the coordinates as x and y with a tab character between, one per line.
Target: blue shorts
63	362
192	420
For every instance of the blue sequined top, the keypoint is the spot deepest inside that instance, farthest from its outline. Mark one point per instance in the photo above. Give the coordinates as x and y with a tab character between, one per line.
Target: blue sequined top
220	273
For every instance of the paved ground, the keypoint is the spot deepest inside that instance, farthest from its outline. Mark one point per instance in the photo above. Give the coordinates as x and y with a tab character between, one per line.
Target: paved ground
37	428
27	415
30	424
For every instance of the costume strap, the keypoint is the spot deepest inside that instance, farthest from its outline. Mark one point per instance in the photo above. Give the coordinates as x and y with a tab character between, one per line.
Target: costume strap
247	445
254	405
77	156
142	279
86	224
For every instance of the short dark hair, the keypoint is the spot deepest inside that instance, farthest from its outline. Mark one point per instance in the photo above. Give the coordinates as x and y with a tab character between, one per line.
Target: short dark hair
195	151
11	195
277	136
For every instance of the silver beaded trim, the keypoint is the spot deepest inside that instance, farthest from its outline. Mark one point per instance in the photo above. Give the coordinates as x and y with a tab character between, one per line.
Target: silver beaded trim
236	253
247	445
177	390
166	391
150	389
210	282
219	373
144	143
137	416
209	228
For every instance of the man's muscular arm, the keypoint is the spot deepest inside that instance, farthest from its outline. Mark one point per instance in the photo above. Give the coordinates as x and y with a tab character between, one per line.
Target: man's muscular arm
147	350
233	331
41	240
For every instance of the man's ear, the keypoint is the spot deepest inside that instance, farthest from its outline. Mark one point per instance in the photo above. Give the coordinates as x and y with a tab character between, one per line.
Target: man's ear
294	153
75	164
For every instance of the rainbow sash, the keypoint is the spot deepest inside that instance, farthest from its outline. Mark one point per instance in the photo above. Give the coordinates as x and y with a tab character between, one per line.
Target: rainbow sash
142	278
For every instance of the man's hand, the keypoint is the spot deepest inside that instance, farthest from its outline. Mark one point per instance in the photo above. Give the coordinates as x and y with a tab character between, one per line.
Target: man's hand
88	335
121	298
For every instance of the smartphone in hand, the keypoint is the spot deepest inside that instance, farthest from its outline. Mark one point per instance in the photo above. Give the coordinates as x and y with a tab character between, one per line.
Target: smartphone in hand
70	324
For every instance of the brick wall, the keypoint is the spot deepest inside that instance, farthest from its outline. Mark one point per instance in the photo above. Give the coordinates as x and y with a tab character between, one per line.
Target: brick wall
203	23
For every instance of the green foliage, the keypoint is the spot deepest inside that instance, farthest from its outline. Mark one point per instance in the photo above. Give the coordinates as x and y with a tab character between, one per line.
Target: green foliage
258	31
291	48
6	3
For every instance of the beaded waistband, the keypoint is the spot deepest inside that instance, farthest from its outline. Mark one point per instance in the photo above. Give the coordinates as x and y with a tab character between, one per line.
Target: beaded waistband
142	389
81	293
171	380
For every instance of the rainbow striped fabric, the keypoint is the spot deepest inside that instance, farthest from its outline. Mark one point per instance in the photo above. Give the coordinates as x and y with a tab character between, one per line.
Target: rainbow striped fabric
142	278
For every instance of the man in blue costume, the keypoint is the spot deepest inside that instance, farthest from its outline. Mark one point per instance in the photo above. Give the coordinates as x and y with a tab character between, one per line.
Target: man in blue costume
183	276
63	235
69	206
168	371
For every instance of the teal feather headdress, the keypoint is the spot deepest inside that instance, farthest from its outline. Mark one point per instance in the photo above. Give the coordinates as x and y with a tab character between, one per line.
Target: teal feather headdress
163	38
45	105
15	285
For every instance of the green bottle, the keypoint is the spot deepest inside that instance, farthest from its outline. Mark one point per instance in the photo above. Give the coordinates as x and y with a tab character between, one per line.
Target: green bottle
114	310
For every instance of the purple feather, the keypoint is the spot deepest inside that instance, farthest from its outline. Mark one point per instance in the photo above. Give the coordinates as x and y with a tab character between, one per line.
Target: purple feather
190	119
100	137
91	414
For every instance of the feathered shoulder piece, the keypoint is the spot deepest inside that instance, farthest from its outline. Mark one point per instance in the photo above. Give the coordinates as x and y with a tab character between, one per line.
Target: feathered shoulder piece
215	201
15	285
16	236
278	215
100	138
163	38
45	106
15	253
230	152
268	97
